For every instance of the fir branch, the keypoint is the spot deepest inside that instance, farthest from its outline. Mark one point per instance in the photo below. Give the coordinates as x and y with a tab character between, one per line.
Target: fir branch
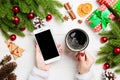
101	60
8	22
116	59
4	27
28	2
114	42
113	65
17	31
115	29
56	3
105	50
40	8
5	34
117	70
35	8
29	26
24	7
43	6
52	9
107	34
2	12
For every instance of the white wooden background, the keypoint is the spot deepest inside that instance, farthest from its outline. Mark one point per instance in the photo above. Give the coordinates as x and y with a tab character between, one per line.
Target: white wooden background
64	69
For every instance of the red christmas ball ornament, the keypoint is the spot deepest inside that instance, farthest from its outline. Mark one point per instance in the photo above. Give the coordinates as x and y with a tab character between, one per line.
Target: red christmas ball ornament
48	17
106	66
15	9
16	20
103	39
30	15
13	37
22	28
117	50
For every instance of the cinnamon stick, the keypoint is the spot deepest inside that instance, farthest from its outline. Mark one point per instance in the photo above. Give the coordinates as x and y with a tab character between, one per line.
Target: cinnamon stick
70	11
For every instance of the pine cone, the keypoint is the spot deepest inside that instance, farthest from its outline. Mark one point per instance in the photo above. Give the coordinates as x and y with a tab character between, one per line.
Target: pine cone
11	76
6	59
7	69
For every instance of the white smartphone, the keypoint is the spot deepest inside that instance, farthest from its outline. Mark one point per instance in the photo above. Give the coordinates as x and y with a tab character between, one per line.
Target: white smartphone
47	45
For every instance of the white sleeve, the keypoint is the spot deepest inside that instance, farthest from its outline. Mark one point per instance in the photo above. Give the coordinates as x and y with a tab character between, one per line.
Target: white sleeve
86	76
38	74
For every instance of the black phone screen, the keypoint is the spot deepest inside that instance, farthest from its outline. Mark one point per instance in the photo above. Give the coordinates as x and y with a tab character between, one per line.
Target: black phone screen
46	44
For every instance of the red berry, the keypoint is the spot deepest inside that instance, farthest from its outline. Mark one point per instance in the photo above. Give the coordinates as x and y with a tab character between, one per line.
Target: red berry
30	15
103	39
16	20
106	66
48	17
15	9
13	37
22	28
117	50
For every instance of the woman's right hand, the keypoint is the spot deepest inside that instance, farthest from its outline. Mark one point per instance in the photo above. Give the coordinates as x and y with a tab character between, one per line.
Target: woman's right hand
85	62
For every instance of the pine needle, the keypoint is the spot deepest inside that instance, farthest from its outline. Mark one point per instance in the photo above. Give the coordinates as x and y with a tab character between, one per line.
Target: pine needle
117	70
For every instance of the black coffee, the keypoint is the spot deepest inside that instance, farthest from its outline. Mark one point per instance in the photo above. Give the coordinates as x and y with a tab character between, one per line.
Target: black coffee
77	39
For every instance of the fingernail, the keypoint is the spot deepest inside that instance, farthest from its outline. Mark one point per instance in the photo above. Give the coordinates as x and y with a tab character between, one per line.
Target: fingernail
82	54
35	45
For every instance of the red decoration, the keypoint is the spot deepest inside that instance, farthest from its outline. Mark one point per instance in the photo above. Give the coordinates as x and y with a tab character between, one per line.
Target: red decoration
103	39
30	15
22	28
15	9
117	50
13	37
106	66
16	20
48	17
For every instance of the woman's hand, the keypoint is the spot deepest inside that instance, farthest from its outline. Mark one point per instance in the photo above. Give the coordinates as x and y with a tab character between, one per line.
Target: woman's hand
39	59
85	62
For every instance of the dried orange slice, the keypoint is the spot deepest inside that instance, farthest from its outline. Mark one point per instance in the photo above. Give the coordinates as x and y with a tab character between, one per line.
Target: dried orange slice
79	10
87	8
84	9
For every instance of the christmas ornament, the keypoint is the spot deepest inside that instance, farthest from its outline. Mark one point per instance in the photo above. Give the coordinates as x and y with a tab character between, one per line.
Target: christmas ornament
5	60
16	20
15	50
37	22
13	37
108	75
30	15
103	39
15	9
22	28
106	66
117	50
99	19
7	69
48	17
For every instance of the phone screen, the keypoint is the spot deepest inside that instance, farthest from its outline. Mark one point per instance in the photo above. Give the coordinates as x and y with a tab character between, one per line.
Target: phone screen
47	45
